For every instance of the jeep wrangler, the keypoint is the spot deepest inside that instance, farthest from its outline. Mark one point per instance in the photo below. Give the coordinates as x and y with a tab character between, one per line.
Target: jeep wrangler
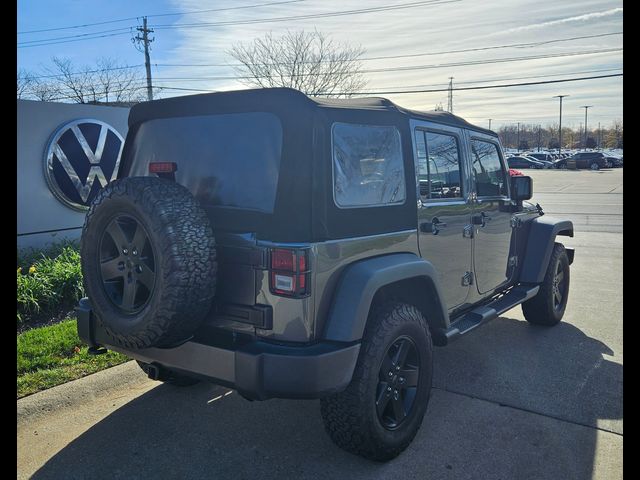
295	247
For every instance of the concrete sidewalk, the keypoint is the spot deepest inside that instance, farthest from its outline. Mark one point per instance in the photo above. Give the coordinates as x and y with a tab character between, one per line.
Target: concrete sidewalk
129	427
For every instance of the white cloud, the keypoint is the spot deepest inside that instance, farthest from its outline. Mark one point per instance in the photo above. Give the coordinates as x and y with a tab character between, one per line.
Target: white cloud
460	25
578	18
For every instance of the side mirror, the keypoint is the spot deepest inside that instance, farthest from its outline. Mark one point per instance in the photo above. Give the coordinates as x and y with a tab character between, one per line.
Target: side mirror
521	188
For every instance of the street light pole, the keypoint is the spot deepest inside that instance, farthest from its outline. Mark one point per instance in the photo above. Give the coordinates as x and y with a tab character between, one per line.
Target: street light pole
518	139
560	129
490	124
586	108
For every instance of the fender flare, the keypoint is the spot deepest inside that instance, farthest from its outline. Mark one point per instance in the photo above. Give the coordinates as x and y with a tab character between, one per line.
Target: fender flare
359	283
540	242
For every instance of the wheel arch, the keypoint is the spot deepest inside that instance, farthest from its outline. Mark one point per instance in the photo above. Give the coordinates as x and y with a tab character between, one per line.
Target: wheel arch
540	242
403	276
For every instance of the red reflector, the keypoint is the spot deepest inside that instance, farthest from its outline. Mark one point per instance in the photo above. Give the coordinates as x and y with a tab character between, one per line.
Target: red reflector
163	167
302	284
283	260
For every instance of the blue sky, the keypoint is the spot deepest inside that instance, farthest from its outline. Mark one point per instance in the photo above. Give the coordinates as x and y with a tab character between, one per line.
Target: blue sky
456	25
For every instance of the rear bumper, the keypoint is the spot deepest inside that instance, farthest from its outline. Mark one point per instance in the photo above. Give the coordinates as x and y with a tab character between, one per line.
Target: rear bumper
256	369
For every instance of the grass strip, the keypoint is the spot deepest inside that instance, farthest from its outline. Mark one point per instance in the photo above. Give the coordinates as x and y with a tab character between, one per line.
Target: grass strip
52	355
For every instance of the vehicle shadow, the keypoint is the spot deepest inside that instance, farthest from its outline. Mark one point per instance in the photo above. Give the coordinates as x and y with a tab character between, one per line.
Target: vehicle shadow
199	432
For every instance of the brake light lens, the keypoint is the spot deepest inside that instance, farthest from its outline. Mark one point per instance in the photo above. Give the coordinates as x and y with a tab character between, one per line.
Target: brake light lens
288	272
163	167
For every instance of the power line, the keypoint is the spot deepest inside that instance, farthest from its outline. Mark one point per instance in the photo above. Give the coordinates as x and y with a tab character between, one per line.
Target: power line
75	40
28	42
120	90
259	20
483	87
384	8
508	78
158	15
100	70
167	87
411	67
387	57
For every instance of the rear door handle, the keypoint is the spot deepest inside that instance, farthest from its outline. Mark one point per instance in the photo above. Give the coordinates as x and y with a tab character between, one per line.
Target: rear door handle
434	226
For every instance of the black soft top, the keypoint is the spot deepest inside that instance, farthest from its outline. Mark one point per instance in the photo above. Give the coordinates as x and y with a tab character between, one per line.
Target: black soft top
304	209
288	101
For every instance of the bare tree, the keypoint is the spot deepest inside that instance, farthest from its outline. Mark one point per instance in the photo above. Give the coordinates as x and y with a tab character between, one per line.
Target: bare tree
44	90
307	61
75	83
108	81
119	83
25	81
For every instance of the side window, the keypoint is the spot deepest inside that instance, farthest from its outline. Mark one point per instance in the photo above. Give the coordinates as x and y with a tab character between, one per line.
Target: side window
438	165
368	168
488	173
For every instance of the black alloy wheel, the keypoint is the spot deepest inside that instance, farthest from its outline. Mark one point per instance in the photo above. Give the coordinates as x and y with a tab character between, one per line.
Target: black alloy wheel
397	383
559	287
547	307
127	264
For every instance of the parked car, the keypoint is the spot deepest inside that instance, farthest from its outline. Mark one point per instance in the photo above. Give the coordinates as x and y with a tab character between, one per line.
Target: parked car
613	162
547	157
524	162
305	263
592	160
545	163
561	160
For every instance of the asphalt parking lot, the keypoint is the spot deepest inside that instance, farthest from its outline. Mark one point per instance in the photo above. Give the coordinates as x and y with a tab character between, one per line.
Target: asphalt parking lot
510	400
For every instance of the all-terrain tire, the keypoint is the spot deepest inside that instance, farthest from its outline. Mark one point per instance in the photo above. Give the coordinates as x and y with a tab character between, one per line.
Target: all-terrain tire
173	378
350	417
545	308
179	240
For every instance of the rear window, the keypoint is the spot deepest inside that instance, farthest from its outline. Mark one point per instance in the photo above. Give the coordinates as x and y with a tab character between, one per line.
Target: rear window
368	168
230	160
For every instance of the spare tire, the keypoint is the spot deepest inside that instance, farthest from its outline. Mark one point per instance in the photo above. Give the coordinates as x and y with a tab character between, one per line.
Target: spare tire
148	262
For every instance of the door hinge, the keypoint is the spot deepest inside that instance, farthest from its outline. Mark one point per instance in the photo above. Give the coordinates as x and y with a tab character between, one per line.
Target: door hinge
515	222
467	279
513	261
467	231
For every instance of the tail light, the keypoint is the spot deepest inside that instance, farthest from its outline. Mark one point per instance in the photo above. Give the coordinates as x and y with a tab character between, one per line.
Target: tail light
289	272
164	169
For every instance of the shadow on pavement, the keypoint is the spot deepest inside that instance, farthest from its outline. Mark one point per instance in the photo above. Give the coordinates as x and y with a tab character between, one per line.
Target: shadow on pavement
180	433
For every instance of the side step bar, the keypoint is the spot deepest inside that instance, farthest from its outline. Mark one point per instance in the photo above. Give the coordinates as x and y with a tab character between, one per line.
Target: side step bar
485	313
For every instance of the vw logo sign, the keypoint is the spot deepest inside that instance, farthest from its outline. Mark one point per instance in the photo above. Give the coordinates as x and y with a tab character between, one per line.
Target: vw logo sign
81	158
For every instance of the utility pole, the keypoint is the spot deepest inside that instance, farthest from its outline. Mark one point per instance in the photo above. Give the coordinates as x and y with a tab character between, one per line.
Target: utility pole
560	128
450	104
145	40
586	108
518	139
490	124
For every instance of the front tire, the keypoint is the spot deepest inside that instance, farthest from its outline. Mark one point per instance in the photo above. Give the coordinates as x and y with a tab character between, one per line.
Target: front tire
548	306
595	166
379	413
